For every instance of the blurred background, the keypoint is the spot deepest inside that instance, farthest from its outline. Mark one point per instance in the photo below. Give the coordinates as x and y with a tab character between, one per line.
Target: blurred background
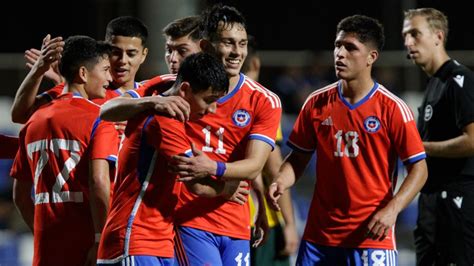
295	42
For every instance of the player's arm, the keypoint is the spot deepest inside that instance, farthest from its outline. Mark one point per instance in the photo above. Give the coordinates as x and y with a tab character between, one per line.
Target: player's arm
99	192
385	218
260	232
458	147
26	101
23	201
290	234
125	107
200	165
235	190
291	169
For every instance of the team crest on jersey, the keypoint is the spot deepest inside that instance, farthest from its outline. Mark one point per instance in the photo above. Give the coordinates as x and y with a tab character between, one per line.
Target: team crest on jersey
372	124
241	118
428	113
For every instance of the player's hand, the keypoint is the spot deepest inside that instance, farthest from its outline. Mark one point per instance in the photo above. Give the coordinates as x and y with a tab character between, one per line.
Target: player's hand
260	230
381	223
91	258
47	59
236	191
190	168
275	190
175	106
291	240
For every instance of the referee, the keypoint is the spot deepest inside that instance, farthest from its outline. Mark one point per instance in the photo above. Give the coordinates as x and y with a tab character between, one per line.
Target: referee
445	225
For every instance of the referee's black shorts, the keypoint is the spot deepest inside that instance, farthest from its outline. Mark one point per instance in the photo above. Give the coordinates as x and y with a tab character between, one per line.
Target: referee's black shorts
445	226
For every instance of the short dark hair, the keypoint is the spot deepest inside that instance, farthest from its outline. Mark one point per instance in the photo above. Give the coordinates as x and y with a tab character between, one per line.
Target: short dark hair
211	17
367	29
202	71
127	26
184	27
81	51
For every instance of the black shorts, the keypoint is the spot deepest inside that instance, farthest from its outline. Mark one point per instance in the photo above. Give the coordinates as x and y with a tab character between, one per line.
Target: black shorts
445	226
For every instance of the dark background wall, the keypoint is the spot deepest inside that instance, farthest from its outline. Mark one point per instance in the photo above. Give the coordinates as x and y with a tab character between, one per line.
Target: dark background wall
289	25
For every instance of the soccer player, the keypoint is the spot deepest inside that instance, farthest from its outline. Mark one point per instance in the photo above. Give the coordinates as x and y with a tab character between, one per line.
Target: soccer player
238	138
182	39
445	230
128	37
139	228
358	129
242	132
64	156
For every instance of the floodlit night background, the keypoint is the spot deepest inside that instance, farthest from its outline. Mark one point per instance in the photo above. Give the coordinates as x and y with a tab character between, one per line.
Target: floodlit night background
295	42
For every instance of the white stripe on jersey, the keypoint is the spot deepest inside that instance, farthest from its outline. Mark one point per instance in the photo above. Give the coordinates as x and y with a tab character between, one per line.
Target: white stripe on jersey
319	91
110	261
133	93
80	97
263	137
272	97
168	77
138	201
404	109
415	155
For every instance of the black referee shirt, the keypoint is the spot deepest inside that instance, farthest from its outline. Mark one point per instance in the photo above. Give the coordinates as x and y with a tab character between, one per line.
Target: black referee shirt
448	106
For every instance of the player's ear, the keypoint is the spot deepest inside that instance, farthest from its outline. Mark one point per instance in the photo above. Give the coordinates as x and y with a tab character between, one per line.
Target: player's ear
145	53
82	74
372	57
185	90
440	36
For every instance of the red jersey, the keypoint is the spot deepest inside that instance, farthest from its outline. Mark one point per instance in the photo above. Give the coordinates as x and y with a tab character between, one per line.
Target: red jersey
249	112
54	92
9	146
140	221
357	148
110	93
153	86
55	155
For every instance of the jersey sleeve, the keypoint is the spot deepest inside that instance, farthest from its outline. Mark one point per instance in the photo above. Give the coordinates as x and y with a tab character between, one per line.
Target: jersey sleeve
104	141
463	97
267	119
9	146
21	168
405	136
53	93
173	139
153	86
302	137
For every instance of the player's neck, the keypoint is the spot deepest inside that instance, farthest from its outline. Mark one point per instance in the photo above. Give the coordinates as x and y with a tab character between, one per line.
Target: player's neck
130	85
355	90
233	81
76	88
